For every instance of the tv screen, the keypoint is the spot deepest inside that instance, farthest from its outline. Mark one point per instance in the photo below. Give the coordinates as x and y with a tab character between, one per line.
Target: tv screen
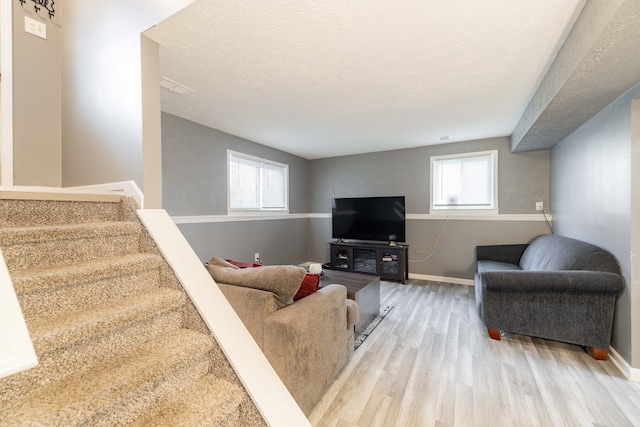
369	218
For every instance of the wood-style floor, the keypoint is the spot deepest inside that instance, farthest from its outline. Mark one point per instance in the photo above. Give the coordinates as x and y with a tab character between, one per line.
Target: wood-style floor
430	362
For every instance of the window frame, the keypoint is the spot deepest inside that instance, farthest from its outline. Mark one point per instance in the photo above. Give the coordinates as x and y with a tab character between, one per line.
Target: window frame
489	210
263	162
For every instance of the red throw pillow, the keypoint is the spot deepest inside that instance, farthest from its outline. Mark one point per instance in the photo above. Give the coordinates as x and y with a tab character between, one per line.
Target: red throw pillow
308	286
243	264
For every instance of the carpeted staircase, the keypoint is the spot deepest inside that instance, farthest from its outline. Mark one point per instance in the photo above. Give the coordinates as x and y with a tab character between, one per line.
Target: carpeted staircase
117	339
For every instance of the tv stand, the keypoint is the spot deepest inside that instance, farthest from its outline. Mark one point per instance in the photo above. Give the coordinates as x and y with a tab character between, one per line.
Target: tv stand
387	261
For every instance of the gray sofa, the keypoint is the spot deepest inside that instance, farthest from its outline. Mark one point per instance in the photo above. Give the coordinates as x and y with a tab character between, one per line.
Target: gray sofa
556	288
307	341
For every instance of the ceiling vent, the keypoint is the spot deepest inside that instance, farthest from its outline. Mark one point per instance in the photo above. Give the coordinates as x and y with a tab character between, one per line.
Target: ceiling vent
172	86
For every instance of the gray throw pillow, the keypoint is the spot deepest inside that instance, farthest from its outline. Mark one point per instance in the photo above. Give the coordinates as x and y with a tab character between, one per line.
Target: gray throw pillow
281	280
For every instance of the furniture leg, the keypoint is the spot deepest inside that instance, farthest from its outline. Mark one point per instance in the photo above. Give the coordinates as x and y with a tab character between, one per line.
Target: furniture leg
598	353
494	333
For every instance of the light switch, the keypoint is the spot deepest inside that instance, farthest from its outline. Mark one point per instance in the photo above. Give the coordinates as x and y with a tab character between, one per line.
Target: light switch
34	27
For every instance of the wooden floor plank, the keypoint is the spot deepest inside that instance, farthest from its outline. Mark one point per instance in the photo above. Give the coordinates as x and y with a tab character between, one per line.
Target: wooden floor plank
430	362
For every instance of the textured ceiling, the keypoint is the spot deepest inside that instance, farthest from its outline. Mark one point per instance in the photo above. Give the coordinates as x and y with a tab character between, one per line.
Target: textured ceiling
322	78
598	62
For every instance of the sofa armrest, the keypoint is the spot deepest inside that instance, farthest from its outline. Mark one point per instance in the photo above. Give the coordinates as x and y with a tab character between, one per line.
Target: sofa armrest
564	281
305	343
353	313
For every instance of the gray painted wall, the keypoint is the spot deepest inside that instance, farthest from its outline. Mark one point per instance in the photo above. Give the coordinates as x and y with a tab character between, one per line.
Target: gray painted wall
523	177
36	102
454	255
194	168
278	241
591	197
194	183
194	164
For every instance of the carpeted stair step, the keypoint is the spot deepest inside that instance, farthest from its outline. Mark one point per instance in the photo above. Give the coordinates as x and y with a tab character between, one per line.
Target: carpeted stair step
62	289
108	323
21	213
43	246
119	390
70	343
210	401
54	332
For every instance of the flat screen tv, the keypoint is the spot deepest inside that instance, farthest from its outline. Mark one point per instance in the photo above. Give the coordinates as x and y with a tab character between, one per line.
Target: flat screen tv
369	218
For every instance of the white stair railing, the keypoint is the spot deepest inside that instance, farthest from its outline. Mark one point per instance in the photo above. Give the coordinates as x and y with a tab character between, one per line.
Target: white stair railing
16	349
269	394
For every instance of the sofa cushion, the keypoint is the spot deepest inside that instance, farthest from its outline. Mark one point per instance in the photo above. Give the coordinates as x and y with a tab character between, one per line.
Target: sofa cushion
281	280
486	265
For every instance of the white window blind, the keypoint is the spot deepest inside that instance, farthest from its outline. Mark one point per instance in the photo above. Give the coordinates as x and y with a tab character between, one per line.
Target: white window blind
466	181
256	184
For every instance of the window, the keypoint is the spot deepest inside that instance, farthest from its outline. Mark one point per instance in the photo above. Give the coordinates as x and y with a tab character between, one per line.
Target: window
465	181
256	184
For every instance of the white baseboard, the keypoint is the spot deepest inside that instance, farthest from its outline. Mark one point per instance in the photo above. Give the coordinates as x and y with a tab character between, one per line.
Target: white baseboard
632	374
455	280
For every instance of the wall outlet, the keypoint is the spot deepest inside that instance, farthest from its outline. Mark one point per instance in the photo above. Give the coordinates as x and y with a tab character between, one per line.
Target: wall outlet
539	206
256	257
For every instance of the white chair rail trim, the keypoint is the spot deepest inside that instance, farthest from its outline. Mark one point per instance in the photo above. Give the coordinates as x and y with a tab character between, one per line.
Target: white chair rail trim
197	219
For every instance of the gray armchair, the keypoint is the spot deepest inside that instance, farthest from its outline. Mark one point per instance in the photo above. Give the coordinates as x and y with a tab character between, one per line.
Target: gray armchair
555	288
